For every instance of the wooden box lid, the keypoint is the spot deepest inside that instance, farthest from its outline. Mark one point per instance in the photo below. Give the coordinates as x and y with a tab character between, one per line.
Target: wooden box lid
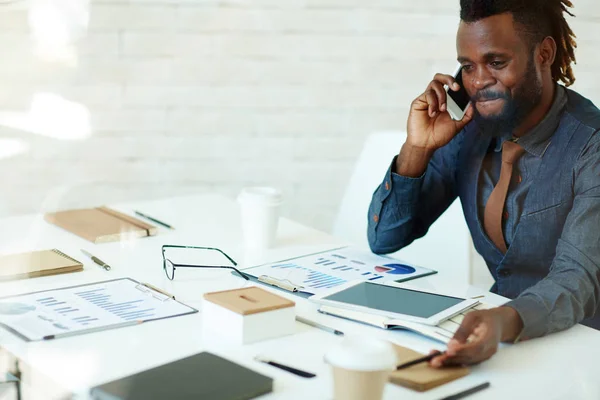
250	300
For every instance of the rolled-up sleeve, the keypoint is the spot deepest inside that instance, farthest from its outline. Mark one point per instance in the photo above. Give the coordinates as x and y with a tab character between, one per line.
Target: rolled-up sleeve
402	209
571	291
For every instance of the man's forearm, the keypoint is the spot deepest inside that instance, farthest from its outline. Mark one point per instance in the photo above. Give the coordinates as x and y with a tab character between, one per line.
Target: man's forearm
412	196
412	161
391	213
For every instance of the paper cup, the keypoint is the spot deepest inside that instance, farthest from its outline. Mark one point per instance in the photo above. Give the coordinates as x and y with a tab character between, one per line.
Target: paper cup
259	207
361	368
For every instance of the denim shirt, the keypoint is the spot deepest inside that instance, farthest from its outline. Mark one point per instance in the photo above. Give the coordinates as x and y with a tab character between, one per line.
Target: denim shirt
551	270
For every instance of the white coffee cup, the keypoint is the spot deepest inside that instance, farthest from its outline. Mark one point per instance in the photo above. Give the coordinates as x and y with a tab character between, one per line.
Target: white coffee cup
361	368
259	208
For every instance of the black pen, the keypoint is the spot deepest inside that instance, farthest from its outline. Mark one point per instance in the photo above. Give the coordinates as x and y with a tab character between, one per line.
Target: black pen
419	360
293	370
153	219
467	392
97	260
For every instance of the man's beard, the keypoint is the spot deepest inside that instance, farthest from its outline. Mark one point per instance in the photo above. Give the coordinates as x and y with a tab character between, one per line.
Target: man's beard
527	95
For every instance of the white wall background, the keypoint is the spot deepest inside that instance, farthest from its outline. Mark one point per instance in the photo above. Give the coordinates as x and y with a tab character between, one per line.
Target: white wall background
190	96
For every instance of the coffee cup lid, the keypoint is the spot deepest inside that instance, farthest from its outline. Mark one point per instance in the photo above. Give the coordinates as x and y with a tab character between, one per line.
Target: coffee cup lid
261	195
362	354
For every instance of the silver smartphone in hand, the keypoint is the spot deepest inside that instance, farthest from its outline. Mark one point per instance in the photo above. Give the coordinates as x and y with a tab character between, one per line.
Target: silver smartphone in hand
457	102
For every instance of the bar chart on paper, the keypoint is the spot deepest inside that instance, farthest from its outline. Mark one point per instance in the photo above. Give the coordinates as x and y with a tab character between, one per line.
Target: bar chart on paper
124	309
316	273
311	279
86	307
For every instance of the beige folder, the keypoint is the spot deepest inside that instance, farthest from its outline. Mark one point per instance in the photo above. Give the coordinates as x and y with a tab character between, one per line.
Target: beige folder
422	377
36	263
101	224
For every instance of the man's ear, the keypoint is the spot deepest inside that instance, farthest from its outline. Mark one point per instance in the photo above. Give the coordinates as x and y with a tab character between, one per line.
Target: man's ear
547	53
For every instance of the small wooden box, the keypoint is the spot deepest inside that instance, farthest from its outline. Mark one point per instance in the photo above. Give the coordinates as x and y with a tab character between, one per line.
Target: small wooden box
247	315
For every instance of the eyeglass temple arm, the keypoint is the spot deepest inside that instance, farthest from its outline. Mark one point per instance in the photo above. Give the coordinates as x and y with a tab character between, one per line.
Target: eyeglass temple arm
214	266
173	246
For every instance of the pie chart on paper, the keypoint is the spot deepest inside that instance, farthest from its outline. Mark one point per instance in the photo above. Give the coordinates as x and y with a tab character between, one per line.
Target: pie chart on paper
395	269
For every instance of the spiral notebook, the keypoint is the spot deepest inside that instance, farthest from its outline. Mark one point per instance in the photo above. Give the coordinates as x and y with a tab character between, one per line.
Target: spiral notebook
37	263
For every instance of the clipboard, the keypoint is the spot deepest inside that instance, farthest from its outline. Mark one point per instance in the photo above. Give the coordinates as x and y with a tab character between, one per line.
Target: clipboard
87	308
315	273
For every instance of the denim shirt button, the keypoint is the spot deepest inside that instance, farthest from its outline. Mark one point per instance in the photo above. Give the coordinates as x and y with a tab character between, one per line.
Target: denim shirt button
503	273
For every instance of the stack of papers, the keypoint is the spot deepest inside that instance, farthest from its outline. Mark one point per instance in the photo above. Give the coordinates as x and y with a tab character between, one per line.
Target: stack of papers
442	332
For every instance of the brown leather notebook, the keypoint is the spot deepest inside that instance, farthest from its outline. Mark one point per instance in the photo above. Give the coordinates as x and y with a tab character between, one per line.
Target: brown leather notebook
37	263
101	224
422	377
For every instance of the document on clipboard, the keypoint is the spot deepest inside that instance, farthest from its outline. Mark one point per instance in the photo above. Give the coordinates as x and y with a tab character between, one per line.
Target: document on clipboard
316	273
75	310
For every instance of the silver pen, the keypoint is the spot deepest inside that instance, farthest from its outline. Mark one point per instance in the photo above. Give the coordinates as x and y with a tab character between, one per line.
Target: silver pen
319	326
97	260
91	330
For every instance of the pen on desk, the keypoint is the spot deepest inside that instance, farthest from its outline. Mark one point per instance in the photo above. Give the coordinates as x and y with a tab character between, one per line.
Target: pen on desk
319	326
292	370
97	260
153	219
467	392
91	330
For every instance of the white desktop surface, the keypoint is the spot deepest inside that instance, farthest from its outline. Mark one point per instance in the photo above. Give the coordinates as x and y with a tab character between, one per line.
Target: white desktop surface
560	366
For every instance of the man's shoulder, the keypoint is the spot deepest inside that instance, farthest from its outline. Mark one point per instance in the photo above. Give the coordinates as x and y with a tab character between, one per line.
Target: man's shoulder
583	110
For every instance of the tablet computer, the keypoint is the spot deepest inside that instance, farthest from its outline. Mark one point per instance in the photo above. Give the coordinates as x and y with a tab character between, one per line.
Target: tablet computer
394	302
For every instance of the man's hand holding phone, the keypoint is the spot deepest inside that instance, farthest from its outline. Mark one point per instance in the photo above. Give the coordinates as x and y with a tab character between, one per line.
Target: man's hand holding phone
430	125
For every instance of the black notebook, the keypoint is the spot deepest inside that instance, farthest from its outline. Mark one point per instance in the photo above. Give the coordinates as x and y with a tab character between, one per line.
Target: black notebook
202	376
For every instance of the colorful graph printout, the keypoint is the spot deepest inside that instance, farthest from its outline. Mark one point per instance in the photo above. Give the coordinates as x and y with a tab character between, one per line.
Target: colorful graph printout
320	272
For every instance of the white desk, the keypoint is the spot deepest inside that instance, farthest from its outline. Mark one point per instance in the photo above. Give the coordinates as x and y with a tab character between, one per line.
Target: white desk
561	366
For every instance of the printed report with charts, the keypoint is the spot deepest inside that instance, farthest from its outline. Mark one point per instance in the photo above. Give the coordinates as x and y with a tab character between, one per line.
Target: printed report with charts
80	309
320	272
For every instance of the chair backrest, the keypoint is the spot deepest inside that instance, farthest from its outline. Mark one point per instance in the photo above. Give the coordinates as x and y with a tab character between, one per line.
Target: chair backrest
447	245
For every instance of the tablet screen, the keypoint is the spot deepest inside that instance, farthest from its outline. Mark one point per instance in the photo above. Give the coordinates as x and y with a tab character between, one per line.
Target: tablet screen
394	299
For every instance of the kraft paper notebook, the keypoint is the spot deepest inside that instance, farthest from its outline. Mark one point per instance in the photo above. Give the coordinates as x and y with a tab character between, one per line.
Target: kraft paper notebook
37	263
422	377
101	224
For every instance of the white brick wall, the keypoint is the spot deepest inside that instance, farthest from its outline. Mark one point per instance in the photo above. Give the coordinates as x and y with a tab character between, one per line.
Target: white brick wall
211	95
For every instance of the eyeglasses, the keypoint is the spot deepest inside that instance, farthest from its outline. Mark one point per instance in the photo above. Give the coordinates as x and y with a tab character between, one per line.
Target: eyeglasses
170	267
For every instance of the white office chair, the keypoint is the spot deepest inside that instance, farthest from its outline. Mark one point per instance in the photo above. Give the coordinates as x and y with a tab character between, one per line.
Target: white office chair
446	246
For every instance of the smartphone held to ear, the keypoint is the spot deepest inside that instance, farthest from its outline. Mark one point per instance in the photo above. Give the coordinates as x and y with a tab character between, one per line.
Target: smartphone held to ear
457	102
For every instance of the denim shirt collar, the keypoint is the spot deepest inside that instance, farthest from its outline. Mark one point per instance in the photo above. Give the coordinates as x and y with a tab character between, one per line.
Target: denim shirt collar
536	141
